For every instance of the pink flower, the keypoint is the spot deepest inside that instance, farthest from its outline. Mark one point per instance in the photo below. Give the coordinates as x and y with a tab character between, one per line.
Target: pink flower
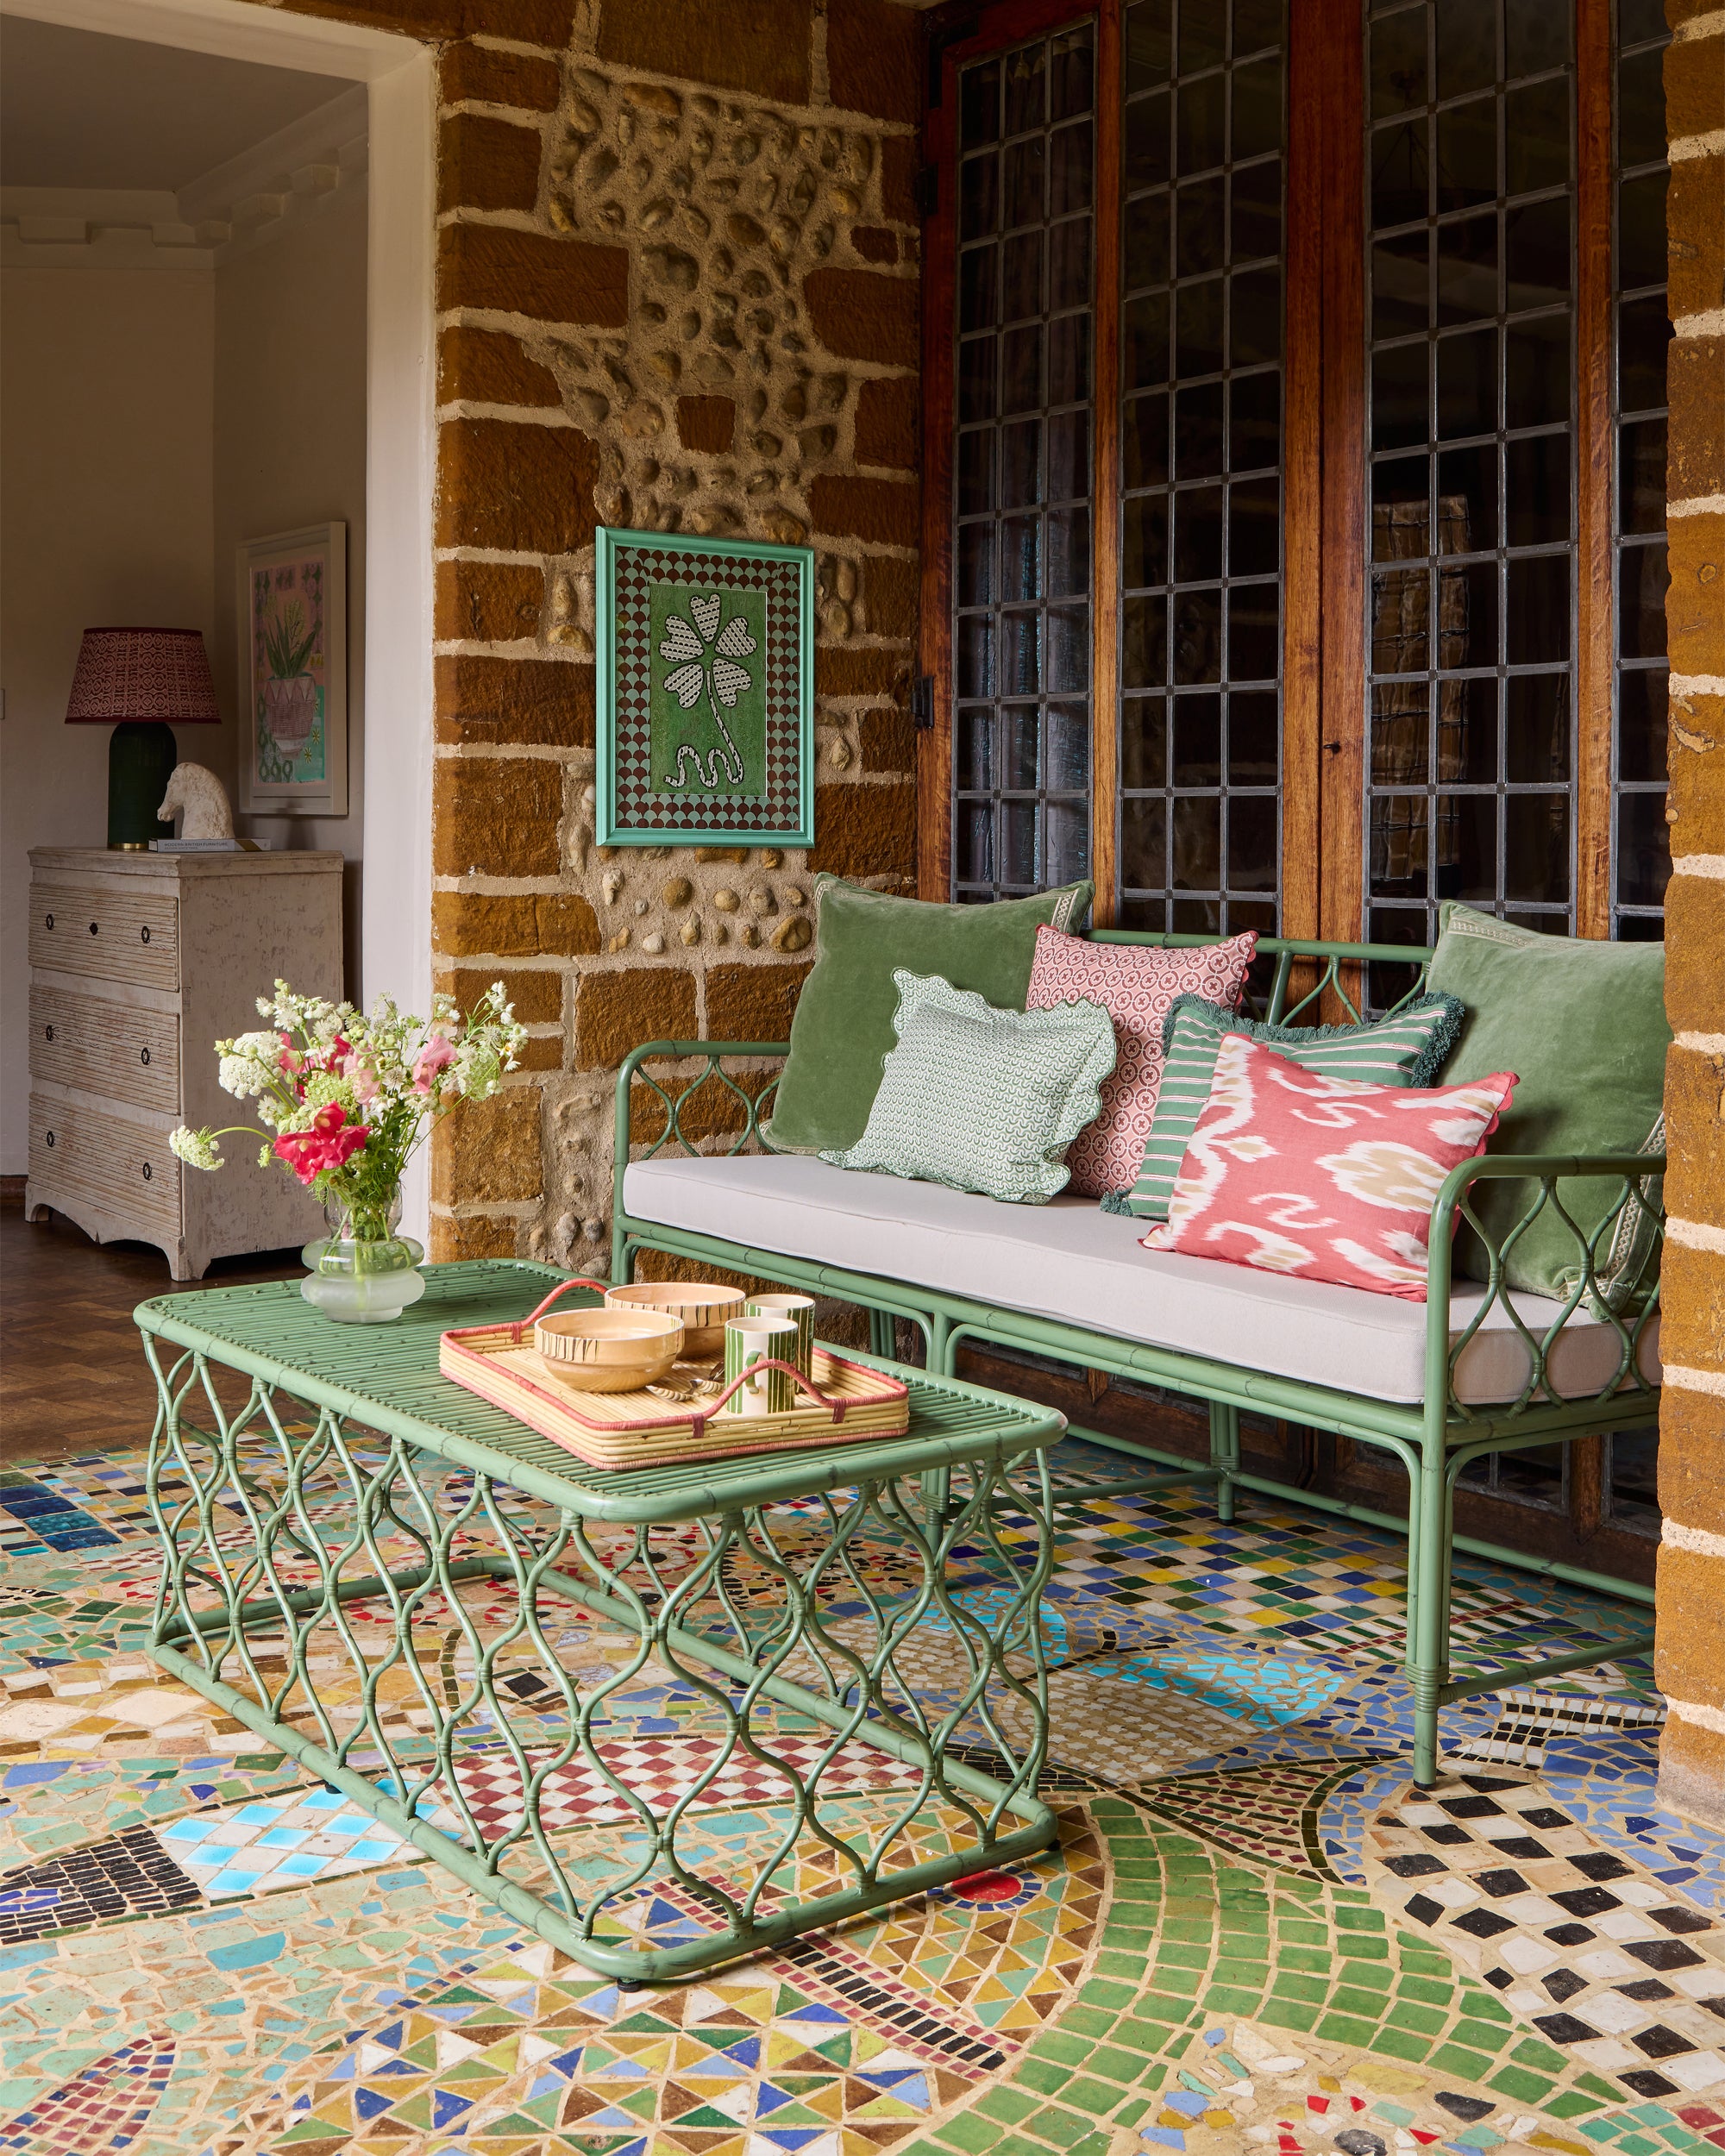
435	1058
290	1059
363	1081
331	1142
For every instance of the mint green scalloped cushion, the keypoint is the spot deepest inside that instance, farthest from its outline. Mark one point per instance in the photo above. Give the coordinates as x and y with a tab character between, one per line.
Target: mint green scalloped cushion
980	1099
844	1023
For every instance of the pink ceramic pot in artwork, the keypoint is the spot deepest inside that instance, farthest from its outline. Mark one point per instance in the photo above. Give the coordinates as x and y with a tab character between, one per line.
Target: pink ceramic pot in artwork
290	708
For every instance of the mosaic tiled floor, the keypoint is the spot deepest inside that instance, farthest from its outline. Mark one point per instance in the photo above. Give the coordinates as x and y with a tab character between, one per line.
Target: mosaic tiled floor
1253	1936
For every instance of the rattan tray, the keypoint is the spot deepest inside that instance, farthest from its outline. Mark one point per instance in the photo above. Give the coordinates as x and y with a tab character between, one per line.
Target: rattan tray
625	1430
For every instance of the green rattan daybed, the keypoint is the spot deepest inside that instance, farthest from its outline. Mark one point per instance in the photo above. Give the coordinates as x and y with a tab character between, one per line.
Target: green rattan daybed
1070	1282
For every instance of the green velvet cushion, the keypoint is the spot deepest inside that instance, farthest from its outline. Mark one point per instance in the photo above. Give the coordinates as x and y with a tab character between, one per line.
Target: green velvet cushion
1582	1027
983	1099
843	1030
1407	1049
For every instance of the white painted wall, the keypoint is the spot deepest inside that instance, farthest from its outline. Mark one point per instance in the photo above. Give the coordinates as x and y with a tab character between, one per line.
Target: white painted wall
106	518
401	76
290	450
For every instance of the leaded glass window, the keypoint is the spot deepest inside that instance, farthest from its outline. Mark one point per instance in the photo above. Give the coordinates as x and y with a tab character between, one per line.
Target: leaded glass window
1469	642
1022	468
1201	454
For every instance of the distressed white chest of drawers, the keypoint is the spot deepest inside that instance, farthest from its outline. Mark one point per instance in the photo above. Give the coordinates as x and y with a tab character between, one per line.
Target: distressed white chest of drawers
139	965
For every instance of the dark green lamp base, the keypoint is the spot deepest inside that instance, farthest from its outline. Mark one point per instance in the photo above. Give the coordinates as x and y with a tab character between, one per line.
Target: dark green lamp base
141	756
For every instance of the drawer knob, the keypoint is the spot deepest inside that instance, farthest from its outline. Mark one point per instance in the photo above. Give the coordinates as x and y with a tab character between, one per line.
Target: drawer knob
50	1141
147	1171
94	926
143	1053
48	919
143	932
47	1032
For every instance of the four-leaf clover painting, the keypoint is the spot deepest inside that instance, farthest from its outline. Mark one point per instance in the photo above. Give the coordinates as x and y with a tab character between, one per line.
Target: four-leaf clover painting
705	661
704	691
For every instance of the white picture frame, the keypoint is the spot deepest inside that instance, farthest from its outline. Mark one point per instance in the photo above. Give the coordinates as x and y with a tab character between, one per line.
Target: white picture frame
291	642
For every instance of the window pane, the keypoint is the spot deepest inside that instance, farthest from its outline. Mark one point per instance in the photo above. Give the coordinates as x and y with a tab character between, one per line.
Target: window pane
1025	301
1200	524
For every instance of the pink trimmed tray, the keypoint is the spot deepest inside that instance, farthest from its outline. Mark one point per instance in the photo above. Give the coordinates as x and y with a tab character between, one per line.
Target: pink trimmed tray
847	1402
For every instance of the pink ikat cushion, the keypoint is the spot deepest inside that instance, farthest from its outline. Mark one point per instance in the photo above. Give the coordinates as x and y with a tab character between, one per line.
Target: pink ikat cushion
1136	985
1322	1178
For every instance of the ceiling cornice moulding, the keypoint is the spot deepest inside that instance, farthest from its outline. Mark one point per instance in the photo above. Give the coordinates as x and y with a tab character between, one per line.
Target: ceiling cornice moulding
289	176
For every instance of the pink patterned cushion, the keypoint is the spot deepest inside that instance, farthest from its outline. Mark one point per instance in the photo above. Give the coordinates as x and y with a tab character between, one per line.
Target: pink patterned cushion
1136	985
1324	1178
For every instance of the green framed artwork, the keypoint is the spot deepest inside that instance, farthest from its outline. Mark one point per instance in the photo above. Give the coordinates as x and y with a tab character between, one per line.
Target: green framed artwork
706	691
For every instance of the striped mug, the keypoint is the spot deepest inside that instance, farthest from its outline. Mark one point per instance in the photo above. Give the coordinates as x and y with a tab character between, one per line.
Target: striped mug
801	1310
750	1340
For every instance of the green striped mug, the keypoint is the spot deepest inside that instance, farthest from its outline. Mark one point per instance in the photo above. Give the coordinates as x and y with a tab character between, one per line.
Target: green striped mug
750	1340
801	1310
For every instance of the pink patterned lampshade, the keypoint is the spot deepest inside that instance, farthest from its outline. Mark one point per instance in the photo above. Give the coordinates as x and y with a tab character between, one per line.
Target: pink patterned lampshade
160	673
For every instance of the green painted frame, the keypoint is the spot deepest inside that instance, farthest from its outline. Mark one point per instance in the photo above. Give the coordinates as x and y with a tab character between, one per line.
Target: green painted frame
380	1417
608	829
1433	1440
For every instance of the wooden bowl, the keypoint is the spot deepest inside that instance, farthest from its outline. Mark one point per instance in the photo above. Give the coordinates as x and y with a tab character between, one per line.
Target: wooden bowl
702	1308
609	1350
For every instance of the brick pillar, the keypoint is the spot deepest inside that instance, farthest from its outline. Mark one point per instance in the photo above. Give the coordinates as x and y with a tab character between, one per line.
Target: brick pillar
1691	1660
677	290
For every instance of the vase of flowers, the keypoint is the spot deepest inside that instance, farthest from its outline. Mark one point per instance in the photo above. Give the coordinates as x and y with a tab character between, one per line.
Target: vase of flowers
346	1099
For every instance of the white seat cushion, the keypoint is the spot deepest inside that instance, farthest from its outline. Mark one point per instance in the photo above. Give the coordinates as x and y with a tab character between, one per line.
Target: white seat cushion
1070	1260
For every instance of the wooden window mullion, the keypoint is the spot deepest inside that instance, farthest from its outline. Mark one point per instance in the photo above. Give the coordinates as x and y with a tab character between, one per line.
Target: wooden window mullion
1105	526
1595	609
939	285
1339	66
1303	571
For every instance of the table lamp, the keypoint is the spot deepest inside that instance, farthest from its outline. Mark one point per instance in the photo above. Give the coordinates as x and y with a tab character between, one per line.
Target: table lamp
144	678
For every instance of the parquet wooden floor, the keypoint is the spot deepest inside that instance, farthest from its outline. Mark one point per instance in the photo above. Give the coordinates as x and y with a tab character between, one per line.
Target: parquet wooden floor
73	1373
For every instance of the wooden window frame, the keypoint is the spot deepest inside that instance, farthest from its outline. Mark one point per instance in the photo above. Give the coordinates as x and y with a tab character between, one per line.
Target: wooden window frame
1325	432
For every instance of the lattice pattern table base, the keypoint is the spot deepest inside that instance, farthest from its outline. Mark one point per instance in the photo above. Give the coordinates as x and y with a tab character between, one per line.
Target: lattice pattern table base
369	1530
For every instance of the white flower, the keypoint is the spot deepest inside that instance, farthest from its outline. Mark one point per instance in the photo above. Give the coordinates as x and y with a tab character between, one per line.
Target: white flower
250	1064
197	1148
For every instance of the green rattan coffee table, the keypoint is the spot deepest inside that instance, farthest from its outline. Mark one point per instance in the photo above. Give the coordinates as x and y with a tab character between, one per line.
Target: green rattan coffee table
453	1621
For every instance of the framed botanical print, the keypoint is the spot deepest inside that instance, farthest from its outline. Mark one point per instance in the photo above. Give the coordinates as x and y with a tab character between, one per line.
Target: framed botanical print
706	691
293	623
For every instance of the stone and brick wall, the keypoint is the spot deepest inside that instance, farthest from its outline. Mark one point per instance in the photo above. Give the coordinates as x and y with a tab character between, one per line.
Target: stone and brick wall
678	288
677	291
1691	1576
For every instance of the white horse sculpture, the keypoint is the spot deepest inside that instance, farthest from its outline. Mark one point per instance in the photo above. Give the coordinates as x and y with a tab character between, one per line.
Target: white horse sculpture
202	798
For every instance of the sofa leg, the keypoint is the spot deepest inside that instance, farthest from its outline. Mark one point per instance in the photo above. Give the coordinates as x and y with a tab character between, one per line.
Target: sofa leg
881	1337
1225	1455
1429	1556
